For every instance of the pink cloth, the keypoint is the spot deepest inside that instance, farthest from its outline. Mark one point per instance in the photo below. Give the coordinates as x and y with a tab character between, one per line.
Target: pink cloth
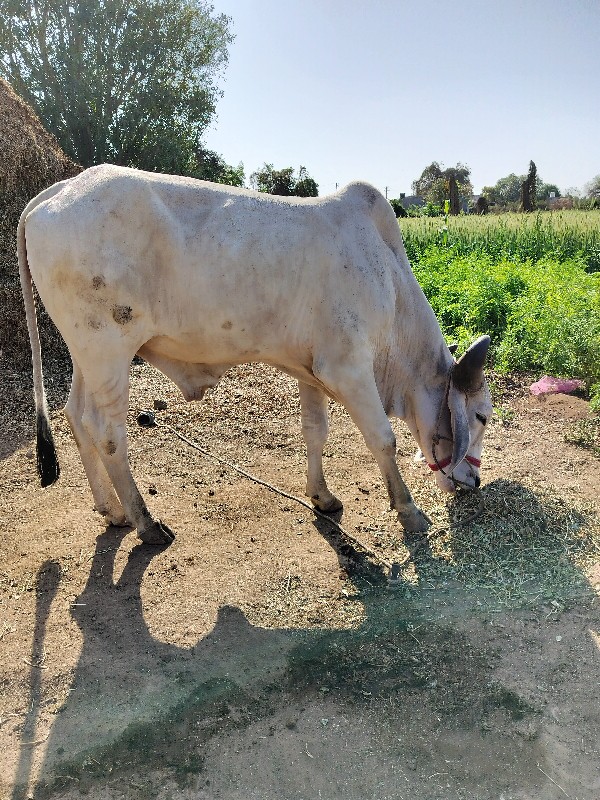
549	385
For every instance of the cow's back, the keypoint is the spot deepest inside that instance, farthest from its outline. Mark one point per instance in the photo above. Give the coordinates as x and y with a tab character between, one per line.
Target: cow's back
204	267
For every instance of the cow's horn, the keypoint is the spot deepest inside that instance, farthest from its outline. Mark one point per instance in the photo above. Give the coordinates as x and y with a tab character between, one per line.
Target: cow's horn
467	372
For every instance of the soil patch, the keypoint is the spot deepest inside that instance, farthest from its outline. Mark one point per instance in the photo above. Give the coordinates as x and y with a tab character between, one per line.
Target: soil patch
262	655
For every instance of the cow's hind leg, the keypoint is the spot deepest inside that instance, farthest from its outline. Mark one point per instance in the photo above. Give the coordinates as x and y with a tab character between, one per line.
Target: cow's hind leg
105	498
105	419
352	382
315	427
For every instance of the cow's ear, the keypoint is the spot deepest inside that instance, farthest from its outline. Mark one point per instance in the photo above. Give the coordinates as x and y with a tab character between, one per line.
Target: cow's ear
453	347
467	374
461	437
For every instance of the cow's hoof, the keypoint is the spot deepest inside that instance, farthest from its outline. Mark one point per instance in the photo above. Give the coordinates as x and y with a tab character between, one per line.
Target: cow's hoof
157	533
414	521
328	505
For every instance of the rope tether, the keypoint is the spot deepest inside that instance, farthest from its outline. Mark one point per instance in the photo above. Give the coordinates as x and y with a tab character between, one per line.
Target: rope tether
146	419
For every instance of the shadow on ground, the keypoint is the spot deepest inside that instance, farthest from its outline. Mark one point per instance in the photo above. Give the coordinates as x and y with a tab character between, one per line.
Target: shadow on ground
406	705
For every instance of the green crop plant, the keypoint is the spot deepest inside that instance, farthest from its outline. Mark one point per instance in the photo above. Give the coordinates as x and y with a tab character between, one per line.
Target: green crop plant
558	234
542	316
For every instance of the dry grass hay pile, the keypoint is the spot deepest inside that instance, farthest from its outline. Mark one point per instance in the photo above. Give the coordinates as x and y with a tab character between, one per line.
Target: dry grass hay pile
30	160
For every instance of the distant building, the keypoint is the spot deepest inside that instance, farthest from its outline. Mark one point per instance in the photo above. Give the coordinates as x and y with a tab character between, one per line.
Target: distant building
408	200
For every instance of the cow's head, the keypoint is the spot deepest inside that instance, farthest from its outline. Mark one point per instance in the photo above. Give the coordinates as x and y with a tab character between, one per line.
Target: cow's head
454	452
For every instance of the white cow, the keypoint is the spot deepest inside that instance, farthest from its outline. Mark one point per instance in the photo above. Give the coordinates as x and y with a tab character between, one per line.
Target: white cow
196	277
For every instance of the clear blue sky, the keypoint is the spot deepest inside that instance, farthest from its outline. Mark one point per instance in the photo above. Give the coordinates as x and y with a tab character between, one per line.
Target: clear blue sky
378	89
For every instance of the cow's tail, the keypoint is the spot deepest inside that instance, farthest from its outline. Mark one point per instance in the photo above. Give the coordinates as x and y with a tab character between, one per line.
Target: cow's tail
47	460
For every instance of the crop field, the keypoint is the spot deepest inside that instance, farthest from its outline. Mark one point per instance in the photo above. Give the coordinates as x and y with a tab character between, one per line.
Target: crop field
559	235
530	281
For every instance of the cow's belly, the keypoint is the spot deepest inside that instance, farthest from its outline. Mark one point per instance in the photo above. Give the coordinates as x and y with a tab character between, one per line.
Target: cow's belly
204	348
196	362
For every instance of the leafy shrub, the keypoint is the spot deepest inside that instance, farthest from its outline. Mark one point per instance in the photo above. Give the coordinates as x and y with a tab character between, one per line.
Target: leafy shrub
542	316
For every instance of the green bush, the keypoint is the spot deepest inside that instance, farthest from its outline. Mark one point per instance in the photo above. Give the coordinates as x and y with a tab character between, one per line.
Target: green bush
542	316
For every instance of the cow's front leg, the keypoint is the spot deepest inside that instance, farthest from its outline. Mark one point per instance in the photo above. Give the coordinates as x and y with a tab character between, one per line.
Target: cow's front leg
105	416
315	425
353	384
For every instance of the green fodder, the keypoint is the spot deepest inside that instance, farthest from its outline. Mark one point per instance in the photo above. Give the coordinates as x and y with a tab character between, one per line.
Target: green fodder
556	234
529	545
542	316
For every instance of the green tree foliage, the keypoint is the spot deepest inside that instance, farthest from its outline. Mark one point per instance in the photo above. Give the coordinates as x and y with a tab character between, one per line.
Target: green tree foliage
506	191
454	196
528	189
592	189
305	185
127	81
399	210
210	166
481	206
284	182
435	185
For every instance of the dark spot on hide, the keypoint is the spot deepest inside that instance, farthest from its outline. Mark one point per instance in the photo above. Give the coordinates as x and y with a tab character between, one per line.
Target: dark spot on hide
122	314
227	326
94	324
371	195
110	448
98	282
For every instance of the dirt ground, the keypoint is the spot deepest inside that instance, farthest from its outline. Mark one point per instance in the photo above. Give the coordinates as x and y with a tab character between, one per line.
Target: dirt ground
262	656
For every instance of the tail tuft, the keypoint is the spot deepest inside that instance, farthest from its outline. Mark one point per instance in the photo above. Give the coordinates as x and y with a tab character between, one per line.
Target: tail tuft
47	461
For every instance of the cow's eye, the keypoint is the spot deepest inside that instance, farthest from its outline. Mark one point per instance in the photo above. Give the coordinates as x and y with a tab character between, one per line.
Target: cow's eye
481	418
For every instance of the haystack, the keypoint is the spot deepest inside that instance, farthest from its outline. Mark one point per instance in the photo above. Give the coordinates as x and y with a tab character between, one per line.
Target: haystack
30	160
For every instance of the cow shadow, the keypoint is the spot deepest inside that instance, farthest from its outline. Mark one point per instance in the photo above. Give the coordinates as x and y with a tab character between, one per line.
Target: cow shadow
139	705
534	538
47	583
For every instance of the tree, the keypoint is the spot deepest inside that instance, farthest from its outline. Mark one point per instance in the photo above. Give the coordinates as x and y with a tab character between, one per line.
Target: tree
284	182
127	81
210	166
454	198
273	181
481	206
428	181
305	185
435	185
528	189
592	189
505	191
399	210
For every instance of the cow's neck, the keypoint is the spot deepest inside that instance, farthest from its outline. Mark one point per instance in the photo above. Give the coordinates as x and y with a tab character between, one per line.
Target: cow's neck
414	367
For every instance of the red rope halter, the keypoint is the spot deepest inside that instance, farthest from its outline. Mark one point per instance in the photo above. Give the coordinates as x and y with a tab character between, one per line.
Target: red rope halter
476	462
